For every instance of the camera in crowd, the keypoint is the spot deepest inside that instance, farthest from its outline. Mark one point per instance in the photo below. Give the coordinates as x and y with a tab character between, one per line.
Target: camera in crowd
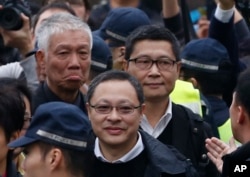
10	14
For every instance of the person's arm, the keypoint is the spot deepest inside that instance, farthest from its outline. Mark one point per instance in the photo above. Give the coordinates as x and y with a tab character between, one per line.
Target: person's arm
29	66
172	19
222	29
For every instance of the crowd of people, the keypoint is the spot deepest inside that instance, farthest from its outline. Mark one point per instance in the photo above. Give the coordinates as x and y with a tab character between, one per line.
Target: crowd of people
121	89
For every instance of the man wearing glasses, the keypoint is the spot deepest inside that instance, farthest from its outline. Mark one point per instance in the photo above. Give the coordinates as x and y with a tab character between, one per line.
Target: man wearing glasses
152	54
115	105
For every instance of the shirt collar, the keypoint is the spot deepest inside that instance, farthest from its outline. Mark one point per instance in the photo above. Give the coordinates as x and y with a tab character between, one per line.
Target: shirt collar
135	151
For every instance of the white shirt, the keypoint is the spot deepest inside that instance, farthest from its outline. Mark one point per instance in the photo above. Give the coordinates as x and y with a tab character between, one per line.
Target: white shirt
223	15
161	125
135	151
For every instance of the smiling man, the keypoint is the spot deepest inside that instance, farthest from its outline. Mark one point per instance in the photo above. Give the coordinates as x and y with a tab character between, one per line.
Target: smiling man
64	43
115	105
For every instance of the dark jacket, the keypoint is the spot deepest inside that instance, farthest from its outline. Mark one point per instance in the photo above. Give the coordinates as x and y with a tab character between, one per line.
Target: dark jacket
189	132
44	95
165	160
156	160
237	157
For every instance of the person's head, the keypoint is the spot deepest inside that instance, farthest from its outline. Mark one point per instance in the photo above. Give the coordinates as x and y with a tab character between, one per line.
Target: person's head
58	142
206	63
48	10
240	108
12	109
65	44
81	7
101	59
19	86
115	103
152	54
118	24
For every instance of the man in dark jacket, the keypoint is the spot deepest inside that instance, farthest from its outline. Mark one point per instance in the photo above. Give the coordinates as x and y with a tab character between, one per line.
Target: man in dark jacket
152	54
224	155
115	105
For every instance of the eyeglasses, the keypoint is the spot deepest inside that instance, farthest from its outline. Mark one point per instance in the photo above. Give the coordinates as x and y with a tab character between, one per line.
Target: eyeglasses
121	109
145	63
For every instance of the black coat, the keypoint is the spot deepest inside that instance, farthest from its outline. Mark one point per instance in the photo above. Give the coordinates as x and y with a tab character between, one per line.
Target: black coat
189	132
44	95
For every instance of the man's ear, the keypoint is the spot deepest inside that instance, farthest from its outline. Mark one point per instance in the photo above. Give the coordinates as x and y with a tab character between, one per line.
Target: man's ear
87	107
40	67
194	82
122	51
242	114
55	158
40	58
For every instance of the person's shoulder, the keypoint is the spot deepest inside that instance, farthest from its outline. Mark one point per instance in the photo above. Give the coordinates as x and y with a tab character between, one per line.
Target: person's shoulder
196	121
186	112
173	162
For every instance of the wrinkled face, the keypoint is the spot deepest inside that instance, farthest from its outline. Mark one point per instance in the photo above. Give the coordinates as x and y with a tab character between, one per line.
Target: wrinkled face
157	84
3	147
34	165
68	61
115	129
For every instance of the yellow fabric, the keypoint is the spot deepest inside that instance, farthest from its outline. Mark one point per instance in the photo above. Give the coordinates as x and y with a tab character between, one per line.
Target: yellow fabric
185	94
20	160
225	131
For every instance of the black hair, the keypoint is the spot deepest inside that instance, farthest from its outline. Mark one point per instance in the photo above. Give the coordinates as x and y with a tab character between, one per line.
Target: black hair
115	75
151	32
12	108
209	83
78	163
242	95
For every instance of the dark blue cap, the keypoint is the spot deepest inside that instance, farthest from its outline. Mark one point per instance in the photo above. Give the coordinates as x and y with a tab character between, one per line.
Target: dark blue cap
206	55
120	22
101	58
60	124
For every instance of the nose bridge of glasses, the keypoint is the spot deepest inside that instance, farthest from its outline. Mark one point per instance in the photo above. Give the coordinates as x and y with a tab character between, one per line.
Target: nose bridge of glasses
114	112
112	108
154	65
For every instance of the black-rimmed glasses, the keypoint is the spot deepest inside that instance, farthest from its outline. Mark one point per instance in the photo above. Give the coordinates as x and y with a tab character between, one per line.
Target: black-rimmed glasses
121	109
145	63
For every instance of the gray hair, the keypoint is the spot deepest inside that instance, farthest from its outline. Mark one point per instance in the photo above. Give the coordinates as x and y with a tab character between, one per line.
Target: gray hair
58	23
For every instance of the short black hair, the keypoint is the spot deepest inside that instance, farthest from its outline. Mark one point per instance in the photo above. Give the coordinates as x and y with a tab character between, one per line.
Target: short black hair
115	75
78	163
210	83
242	88
151	32
12	109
